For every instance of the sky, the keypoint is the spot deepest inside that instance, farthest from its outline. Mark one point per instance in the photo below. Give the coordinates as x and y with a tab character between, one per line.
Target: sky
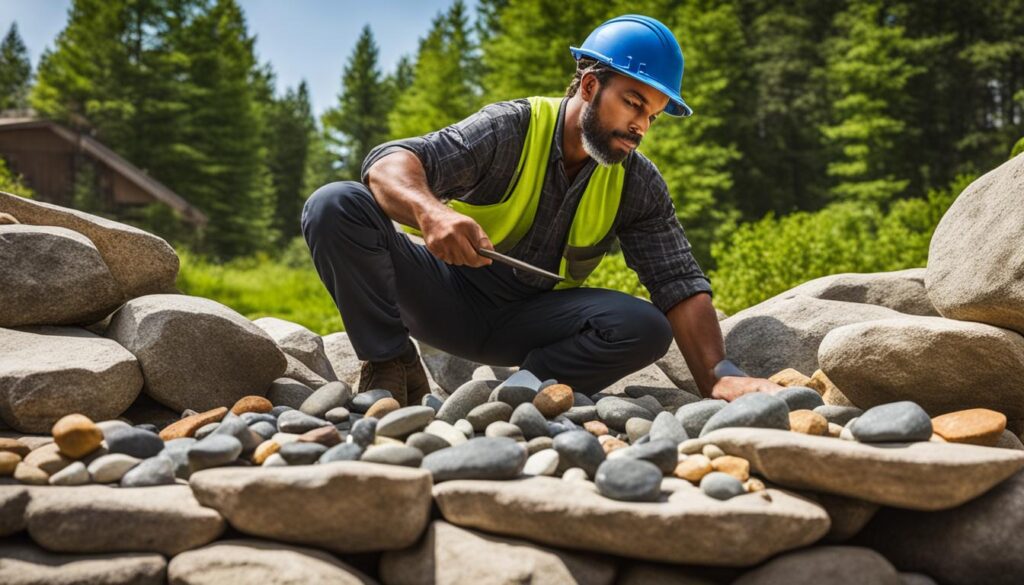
302	39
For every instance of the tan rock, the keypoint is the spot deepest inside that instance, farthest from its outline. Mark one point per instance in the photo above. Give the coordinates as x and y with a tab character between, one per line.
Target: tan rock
693	468
835	430
14	446
382	407
712	451
449	555
259	561
790	377
732	532
613	444
385	507
8	219
22	563
835	565
8	462
737	467
975	426
919	476
328	436
554	400
808	422
48	458
30	474
264	450
754	485
188	426
77	436
596	428
251	404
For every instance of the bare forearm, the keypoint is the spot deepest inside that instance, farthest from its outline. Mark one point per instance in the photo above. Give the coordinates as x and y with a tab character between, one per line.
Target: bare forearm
399	184
695	327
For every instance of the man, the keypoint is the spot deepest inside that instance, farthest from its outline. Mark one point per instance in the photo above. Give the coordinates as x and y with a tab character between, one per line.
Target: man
550	182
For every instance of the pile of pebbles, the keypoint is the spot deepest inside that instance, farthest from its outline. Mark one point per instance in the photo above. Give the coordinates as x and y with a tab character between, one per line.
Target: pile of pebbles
487	429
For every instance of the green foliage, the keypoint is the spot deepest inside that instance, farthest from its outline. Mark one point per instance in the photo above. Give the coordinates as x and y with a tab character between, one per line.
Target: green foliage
770	256
262	286
1017	148
445	86
15	71
290	131
360	120
11	183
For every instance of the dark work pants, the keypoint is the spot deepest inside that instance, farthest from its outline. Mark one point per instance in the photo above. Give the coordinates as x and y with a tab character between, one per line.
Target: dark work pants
388	287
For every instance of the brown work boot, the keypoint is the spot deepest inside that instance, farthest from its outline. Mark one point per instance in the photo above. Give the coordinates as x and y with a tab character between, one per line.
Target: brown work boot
403	376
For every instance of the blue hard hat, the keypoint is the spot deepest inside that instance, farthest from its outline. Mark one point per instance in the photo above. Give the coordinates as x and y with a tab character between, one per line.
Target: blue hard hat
644	49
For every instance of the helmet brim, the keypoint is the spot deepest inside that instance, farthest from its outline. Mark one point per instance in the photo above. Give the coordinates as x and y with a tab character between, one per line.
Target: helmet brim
676	105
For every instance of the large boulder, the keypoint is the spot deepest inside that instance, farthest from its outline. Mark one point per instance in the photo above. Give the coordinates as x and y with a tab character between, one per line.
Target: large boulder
96	518
345	506
777	334
978	542
900	290
342	357
300	343
140	262
52	276
257	561
732	533
447	370
835	565
49	372
941	364
920	476
196	353
22	563
449	555
976	261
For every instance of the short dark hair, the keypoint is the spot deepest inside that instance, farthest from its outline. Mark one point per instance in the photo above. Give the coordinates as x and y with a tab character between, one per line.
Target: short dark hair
587	65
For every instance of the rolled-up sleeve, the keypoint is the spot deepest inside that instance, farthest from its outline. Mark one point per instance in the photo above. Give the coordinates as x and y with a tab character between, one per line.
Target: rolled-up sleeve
655	246
456	158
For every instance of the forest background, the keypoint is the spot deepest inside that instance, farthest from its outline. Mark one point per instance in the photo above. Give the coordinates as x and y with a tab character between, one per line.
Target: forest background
828	136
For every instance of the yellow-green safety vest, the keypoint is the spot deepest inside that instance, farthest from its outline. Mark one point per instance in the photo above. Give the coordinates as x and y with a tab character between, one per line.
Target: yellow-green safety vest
507	221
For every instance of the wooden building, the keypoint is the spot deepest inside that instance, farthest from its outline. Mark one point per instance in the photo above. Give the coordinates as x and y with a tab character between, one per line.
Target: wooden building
49	157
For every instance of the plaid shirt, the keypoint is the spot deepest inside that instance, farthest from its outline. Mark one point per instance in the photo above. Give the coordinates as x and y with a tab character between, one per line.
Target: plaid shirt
474	160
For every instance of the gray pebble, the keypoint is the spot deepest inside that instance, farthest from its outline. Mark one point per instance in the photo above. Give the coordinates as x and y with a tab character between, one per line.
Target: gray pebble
581	414
661	453
426	442
277	410
465	427
539	444
512	395
342	452
301	453
629	480
581	399
902	421
721	486
235	426
615	411
252	418
364	431
530	421
176	451
288	392
522	379
330	395
695	415
839	414
213	451
433	401
405	421
150	472
501	428
337	415
667	427
637	427
148	427
296	421
486	413
757	410
480	458
465	398
263	430
800	398
133	441
111	468
393	455
205	430
74	474
579	449
364	400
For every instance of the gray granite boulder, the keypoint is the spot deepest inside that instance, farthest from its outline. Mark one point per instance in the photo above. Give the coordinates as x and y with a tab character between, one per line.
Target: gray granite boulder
227	356
899	290
835	565
49	372
342	357
22	563
52	276
140	262
300	343
260	561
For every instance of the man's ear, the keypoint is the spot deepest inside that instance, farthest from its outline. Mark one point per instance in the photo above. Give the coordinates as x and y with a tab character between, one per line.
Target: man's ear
589	86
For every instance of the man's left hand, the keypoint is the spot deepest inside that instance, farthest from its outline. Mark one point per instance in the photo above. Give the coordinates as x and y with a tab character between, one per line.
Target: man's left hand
730	388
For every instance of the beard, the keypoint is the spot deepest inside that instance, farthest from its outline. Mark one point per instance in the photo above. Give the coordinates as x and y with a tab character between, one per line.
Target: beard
598	140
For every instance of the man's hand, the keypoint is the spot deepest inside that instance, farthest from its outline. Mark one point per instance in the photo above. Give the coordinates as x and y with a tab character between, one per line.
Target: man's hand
730	388
454	238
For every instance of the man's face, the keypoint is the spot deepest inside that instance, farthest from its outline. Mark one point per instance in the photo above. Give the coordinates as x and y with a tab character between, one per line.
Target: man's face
617	117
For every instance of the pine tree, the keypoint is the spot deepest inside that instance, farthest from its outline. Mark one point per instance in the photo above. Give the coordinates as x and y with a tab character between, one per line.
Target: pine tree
445	87
870	61
290	130
15	71
359	121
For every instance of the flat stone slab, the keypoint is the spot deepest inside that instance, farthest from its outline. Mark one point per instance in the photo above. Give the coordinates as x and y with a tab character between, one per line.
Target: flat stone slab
572	515
22	563
96	518
343	506
13	501
256	561
917	476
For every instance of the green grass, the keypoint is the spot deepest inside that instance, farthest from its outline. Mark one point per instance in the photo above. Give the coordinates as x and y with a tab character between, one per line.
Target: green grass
263	287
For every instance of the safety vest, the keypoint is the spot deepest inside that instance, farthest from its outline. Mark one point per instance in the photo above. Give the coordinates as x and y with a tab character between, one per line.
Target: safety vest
507	221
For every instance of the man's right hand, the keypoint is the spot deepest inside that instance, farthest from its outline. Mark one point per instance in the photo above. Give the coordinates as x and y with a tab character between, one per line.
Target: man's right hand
454	238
